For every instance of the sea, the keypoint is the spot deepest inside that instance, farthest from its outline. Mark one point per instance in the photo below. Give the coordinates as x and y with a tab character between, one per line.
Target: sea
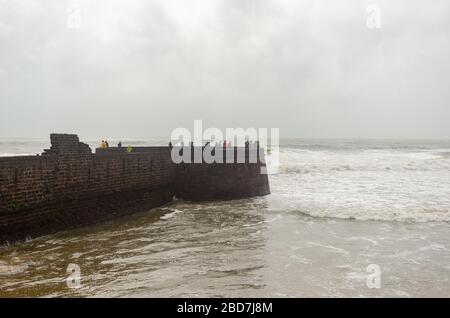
346	218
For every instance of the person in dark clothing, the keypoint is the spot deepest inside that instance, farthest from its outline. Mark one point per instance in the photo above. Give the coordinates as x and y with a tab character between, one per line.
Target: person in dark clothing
170	144
119	144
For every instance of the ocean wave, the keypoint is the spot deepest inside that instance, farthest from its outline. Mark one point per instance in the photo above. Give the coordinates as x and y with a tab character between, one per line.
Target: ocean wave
302	169
418	215
171	214
300	161
305	169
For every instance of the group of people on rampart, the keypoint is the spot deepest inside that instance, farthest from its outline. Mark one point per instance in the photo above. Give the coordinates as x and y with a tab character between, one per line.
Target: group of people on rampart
248	144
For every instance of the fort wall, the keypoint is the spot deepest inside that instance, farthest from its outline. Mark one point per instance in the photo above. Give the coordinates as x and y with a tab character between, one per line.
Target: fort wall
69	186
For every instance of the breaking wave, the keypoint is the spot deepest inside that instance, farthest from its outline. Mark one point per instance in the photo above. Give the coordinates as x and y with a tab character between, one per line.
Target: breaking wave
402	184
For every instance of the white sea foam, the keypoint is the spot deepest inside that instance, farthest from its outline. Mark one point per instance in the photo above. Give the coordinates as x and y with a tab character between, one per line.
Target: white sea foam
171	214
409	184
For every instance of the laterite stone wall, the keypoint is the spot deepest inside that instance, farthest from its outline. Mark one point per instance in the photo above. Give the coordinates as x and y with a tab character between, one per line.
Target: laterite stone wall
69	186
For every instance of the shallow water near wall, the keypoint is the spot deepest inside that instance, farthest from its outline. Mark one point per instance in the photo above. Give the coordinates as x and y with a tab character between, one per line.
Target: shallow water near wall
335	208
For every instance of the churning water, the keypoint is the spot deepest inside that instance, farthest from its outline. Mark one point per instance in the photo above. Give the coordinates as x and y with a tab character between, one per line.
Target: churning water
336	207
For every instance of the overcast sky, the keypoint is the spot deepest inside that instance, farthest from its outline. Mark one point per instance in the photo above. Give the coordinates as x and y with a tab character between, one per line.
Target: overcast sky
140	68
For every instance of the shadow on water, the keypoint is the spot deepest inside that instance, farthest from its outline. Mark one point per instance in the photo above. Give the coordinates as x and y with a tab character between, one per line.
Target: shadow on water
182	249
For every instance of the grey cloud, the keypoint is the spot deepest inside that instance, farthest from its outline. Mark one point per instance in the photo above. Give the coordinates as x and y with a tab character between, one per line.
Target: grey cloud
142	68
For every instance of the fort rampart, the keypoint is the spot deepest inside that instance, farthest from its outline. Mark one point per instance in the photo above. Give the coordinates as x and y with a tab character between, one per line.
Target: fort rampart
69	186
